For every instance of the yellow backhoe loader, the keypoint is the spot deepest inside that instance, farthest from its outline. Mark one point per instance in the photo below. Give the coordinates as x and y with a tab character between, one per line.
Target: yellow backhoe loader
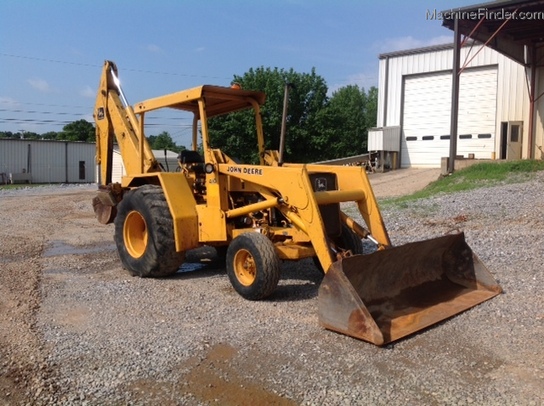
262	214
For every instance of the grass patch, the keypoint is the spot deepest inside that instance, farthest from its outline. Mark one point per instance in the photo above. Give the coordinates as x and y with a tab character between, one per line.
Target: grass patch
16	186
480	175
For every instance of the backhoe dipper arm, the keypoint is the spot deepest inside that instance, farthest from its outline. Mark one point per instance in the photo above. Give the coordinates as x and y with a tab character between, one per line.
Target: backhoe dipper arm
114	118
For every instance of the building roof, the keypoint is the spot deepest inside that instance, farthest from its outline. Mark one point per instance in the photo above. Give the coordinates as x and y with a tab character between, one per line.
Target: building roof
506	26
510	27
158	153
422	50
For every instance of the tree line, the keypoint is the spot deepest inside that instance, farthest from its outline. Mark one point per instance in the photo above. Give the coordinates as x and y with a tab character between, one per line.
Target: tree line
80	130
84	131
319	127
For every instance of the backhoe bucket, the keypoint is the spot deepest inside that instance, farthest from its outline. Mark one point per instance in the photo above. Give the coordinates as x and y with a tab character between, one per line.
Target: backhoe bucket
390	294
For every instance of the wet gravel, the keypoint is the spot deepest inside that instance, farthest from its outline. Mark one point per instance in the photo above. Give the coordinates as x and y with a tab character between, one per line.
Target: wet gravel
100	336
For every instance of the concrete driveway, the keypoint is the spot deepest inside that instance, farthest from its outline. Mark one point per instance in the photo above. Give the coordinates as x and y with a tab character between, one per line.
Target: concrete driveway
402	182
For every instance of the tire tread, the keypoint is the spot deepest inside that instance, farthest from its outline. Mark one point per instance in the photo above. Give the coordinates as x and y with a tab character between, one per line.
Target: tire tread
160	258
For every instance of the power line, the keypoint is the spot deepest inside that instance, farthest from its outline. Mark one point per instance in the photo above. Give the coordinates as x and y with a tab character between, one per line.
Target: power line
31	120
60	113
8	102
151	120
65	122
90	65
372	77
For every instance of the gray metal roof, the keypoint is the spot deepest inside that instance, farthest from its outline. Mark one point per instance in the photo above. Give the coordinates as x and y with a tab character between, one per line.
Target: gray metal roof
509	26
422	50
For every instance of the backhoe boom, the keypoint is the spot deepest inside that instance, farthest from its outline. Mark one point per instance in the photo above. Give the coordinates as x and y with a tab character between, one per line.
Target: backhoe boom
116	121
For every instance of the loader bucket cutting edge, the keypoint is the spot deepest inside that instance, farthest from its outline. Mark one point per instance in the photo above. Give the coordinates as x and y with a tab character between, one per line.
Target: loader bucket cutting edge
387	295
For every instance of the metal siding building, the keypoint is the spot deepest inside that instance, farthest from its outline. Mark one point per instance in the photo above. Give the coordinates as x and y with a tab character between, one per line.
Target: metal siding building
49	161
170	164
415	94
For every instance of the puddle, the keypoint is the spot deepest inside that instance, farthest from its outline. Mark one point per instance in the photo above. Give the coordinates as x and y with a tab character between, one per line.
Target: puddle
192	267
61	248
195	261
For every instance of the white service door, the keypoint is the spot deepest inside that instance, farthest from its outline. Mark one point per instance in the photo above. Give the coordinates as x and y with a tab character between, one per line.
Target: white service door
513	150
427	110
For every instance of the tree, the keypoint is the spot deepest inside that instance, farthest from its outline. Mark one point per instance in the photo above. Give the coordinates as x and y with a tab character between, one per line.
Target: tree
50	135
163	141
31	135
27	135
80	130
318	128
350	113
235	133
9	134
372	107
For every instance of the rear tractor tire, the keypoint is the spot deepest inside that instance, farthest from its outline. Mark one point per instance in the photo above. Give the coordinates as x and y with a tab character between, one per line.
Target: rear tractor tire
253	266
144	234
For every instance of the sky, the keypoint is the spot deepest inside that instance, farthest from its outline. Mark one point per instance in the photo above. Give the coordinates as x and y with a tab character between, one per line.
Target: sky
52	51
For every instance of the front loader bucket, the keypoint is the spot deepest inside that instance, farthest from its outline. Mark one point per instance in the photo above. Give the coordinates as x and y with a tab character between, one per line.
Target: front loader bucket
390	294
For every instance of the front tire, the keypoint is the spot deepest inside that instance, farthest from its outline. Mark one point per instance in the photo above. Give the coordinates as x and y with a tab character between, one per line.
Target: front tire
348	240
253	266
144	234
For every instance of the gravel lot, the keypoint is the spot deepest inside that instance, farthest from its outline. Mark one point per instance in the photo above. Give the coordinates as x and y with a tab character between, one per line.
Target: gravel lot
76	329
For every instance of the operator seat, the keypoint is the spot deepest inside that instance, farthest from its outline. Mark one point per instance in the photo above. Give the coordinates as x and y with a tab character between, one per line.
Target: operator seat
190	157
192	160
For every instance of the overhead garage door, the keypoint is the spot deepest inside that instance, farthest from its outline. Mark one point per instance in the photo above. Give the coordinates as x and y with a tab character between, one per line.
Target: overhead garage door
427	109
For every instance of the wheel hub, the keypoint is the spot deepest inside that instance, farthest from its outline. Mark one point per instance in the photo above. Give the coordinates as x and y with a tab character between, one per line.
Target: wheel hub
245	267
135	234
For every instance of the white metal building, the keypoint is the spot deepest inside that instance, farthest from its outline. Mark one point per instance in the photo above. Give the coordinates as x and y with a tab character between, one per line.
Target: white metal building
169	162
414	104
47	161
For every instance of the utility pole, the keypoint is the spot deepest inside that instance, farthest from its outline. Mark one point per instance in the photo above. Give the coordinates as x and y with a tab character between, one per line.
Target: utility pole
454	95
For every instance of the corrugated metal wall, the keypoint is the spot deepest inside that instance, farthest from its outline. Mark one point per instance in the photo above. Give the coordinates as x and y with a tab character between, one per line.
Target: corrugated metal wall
512	96
118	168
49	161
384	139
539	134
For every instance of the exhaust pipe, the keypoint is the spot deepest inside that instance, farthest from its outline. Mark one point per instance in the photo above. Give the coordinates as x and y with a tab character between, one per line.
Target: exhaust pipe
288	87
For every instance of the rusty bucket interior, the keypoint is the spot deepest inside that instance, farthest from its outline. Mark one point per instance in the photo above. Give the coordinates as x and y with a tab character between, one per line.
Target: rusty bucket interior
389	294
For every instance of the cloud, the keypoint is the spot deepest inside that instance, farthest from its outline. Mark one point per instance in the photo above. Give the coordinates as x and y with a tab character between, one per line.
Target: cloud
77	52
9	101
363	80
200	49
409	42
88	92
153	48
39	84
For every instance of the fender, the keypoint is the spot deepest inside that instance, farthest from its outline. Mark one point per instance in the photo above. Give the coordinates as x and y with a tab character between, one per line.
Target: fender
181	203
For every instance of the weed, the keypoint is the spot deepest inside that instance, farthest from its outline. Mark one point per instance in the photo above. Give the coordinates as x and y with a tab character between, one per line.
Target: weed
480	175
